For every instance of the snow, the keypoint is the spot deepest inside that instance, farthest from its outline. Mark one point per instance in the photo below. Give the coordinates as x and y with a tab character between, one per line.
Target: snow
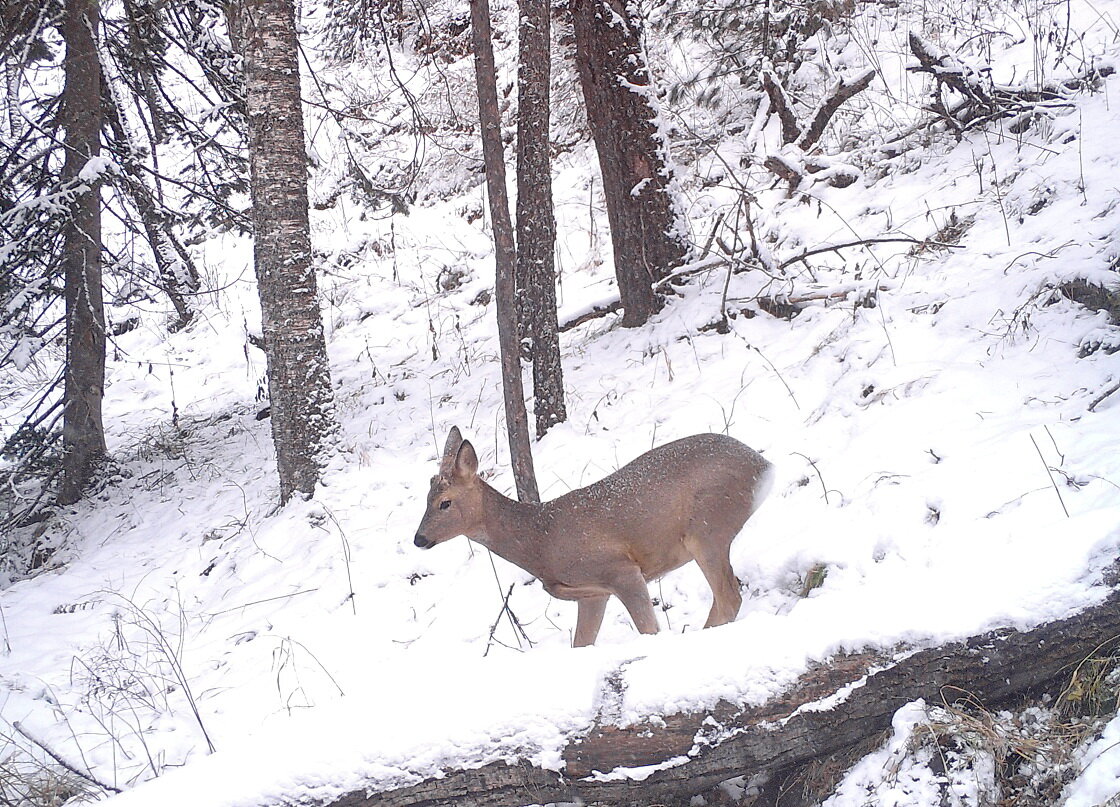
933	449
95	168
1100	776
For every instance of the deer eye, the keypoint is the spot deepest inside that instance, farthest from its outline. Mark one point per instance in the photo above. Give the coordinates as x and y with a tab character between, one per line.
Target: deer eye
444	504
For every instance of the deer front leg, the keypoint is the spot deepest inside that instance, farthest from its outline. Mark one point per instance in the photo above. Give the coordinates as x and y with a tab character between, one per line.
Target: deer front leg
588	619
630	586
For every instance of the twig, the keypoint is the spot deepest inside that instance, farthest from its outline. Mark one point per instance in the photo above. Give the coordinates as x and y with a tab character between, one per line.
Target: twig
923	242
1102	396
58	758
518	629
1050	474
824	487
780	378
707	250
346	557
724	326
261	602
146	623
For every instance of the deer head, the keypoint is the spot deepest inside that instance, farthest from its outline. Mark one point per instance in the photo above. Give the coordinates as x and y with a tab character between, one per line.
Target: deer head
455	497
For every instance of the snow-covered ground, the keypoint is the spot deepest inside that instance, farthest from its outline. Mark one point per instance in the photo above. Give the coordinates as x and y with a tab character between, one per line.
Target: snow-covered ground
933	443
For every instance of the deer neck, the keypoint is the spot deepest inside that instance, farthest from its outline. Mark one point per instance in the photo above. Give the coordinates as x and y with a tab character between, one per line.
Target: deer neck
510	529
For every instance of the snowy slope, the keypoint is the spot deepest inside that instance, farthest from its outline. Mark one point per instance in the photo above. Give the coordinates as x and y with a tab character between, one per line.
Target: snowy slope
934	450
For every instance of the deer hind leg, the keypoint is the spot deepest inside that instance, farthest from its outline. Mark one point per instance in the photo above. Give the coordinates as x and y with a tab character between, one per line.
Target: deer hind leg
630	586
712	555
588	619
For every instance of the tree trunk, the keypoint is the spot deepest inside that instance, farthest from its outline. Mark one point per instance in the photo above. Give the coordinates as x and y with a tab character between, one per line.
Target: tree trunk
505	254
536	226
832	707
648	231
83	433
298	373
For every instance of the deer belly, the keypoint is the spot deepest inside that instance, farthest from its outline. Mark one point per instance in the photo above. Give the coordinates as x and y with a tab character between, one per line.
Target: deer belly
566	591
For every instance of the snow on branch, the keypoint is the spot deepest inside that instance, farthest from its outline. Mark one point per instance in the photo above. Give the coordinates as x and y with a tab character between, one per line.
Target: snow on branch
984	100
841	92
792	165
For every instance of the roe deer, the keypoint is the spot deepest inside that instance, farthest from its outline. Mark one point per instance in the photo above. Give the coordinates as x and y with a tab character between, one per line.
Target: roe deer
686	500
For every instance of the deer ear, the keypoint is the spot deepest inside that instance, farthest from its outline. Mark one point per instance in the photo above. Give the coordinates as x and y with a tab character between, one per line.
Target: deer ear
450	450
466	461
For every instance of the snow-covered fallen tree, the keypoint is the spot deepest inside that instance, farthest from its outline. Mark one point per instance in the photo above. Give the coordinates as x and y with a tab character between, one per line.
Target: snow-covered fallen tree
833	707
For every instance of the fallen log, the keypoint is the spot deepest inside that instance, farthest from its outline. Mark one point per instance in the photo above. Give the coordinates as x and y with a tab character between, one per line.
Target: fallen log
832	707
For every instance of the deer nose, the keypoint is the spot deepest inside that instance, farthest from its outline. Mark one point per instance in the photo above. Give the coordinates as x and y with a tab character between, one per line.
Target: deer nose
421	541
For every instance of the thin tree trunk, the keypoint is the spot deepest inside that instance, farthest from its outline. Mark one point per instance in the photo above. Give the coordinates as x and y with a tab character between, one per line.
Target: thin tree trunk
11	94
178	276
536	226
648	231
505	257
83	433
298	373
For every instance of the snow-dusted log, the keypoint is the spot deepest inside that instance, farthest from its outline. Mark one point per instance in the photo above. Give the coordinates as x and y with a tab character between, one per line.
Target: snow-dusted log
832	707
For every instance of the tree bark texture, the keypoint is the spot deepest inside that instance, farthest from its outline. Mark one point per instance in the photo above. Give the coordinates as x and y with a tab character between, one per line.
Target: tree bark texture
298	373
83	433
505	253
831	707
536	226
648	232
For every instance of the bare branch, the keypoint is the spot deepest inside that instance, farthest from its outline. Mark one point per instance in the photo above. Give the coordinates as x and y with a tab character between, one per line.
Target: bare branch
62	761
841	93
779	103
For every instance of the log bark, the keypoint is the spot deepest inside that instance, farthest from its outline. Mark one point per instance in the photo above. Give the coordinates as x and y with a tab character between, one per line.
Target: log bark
832	707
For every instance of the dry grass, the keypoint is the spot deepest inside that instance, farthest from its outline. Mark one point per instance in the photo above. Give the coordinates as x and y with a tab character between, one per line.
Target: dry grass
1034	749
29	778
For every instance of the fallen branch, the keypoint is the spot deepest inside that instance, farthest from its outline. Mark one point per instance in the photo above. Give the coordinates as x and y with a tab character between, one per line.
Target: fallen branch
985	100
780	105
1109	391
902	239
832	707
610	306
793	164
842	91
778	305
46	749
594	312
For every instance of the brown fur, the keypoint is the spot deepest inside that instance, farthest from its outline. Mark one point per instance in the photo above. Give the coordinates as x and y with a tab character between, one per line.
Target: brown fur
686	500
